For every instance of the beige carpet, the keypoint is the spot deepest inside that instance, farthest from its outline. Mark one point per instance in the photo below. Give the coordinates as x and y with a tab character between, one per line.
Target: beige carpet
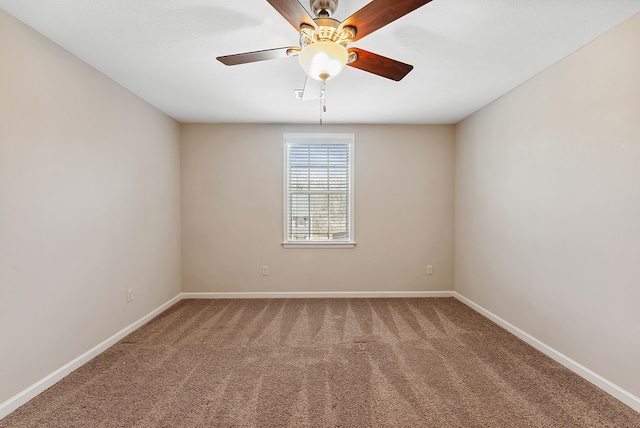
322	363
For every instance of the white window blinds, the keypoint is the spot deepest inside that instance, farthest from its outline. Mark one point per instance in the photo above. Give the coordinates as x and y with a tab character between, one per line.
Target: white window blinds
318	188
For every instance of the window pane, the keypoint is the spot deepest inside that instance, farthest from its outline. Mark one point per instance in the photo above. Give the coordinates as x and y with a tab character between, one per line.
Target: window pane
318	191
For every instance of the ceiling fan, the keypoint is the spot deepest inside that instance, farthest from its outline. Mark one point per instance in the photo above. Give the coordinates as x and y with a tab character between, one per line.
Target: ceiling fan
323	51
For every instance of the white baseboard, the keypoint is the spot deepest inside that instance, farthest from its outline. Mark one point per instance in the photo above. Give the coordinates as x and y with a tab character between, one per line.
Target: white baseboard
316	295
611	388
22	397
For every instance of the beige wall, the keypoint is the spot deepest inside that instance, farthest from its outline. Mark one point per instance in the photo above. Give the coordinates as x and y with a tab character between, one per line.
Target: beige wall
89	206
547	208
547	225
232	212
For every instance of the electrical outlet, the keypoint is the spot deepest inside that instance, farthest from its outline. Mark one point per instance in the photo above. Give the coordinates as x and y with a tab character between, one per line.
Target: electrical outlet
129	295
429	270
265	270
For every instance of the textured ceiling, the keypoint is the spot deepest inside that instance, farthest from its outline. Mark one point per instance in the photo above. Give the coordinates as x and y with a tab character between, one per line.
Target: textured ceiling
466	53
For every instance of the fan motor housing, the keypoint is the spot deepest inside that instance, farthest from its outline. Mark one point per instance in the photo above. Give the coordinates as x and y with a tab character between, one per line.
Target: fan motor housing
328	29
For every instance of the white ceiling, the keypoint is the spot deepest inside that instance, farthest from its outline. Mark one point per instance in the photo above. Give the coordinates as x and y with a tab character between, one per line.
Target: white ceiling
466	53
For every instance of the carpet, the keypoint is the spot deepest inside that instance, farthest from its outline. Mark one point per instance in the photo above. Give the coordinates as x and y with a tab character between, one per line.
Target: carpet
429	362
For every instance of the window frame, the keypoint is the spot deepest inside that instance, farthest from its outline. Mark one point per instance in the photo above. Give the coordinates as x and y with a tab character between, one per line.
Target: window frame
317	138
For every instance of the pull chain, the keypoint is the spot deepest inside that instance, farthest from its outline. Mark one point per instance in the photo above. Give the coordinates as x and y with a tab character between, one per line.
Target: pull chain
323	101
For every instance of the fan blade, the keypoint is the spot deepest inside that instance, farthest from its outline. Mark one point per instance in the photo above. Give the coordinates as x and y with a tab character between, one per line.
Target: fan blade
312	89
264	55
380	65
379	13
293	12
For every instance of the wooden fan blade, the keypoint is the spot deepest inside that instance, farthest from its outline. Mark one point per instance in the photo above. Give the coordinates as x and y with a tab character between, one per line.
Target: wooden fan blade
244	58
293	12
380	65
379	13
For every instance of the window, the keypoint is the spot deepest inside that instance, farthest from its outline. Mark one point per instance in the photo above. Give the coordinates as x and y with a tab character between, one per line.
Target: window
318	189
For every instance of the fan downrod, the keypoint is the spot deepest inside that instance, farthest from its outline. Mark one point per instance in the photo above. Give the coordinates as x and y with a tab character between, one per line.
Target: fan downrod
323	8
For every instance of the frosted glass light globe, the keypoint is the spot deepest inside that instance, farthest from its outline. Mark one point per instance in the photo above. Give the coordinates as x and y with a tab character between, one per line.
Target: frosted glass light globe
323	60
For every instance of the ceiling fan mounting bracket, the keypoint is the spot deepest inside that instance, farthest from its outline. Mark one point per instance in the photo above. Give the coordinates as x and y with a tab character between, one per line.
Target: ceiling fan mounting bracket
323	8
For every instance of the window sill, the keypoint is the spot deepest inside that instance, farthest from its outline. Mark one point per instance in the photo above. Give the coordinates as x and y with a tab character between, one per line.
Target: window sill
326	245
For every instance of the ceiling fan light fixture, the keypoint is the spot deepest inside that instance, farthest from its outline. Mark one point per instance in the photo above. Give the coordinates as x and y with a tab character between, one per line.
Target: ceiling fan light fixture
323	60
